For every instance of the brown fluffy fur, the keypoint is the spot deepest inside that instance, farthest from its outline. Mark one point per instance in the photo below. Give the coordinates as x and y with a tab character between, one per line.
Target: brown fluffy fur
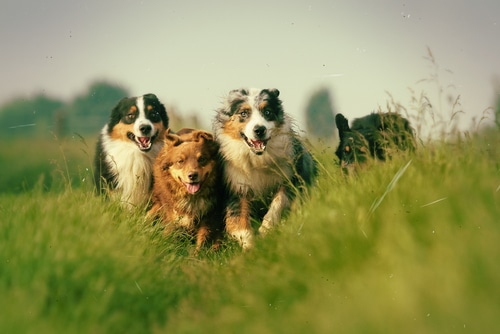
186	191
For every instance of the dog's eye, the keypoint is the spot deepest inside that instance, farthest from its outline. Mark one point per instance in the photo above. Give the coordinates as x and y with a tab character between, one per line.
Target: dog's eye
154	116
180	161
244	113
266	113
130	117
202	160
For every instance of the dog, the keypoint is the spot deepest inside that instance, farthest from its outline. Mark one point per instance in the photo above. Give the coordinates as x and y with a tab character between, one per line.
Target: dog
265	162
187	189
375	136
127	147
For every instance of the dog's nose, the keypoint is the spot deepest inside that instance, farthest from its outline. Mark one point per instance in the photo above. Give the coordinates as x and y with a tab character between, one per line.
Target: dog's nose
260	131
145	129
193	176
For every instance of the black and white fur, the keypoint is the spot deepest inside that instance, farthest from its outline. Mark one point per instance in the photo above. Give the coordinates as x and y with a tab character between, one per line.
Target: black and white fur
264	160
127	147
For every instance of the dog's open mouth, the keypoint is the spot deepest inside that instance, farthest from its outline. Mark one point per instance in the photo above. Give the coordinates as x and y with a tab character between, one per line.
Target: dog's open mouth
144	143
192	187
257	146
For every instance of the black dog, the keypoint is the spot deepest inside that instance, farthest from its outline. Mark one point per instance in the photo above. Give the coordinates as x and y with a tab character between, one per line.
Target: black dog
375	135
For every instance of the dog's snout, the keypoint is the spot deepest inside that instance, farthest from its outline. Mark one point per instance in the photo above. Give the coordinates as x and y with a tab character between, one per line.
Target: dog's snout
145	129
193	176
260	131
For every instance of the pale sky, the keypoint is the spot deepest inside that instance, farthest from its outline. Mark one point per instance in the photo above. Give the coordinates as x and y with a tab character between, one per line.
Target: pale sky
191	53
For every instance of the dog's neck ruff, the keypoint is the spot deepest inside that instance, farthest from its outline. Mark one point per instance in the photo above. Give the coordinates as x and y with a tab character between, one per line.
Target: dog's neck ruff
247	173
192	209
131	168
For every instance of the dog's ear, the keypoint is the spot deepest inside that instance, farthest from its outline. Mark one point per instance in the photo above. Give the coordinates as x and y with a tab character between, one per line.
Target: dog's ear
185	131
237	94
168	131
273	91
121	109
207	136
122	101
240	91
208	141
230	103
124	104
342	124
151	95
171	139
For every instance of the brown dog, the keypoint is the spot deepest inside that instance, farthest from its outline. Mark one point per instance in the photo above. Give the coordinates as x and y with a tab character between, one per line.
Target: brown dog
187	188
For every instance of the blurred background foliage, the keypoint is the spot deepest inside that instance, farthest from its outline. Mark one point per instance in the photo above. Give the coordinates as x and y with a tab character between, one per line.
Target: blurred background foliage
320	115
48	137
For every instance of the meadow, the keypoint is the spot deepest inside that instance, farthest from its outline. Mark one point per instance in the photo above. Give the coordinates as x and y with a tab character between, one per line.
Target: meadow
407	246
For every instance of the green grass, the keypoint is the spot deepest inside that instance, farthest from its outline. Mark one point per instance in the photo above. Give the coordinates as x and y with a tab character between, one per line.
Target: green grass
392	250
46	162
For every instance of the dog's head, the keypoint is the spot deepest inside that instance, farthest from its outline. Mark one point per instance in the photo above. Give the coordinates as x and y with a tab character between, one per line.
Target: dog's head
252	116
189	157
353	147
141	120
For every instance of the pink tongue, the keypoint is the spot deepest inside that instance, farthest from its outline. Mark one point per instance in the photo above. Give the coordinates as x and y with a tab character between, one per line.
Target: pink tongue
258	144
144	140
192	187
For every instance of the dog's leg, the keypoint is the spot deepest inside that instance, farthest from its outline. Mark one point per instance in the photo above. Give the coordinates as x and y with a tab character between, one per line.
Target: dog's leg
153	212
280	203
216	228
201	237
238	222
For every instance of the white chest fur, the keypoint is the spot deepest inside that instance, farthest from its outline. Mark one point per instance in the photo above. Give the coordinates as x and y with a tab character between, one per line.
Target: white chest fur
131	168
247	172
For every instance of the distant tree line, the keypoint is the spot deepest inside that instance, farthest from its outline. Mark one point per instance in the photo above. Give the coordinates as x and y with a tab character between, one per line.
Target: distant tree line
85	114
42	115
320	115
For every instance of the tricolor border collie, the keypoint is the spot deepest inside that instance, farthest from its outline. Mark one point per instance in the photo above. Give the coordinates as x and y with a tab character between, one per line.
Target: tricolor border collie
377	135
127	147
265	163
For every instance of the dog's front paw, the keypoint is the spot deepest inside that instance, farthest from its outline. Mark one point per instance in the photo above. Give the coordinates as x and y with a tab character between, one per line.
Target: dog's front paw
265	227
245	238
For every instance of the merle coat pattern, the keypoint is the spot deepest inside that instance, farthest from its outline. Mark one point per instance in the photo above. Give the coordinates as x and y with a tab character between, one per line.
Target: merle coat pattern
265	162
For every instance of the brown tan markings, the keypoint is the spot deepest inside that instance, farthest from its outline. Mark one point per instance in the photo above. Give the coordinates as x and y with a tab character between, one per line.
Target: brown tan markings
120	131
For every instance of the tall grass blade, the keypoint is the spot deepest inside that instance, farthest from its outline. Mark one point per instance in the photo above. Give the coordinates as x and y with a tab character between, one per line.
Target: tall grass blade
389	187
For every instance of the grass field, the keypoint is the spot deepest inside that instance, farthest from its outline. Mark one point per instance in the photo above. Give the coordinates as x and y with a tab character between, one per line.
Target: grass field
408	246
